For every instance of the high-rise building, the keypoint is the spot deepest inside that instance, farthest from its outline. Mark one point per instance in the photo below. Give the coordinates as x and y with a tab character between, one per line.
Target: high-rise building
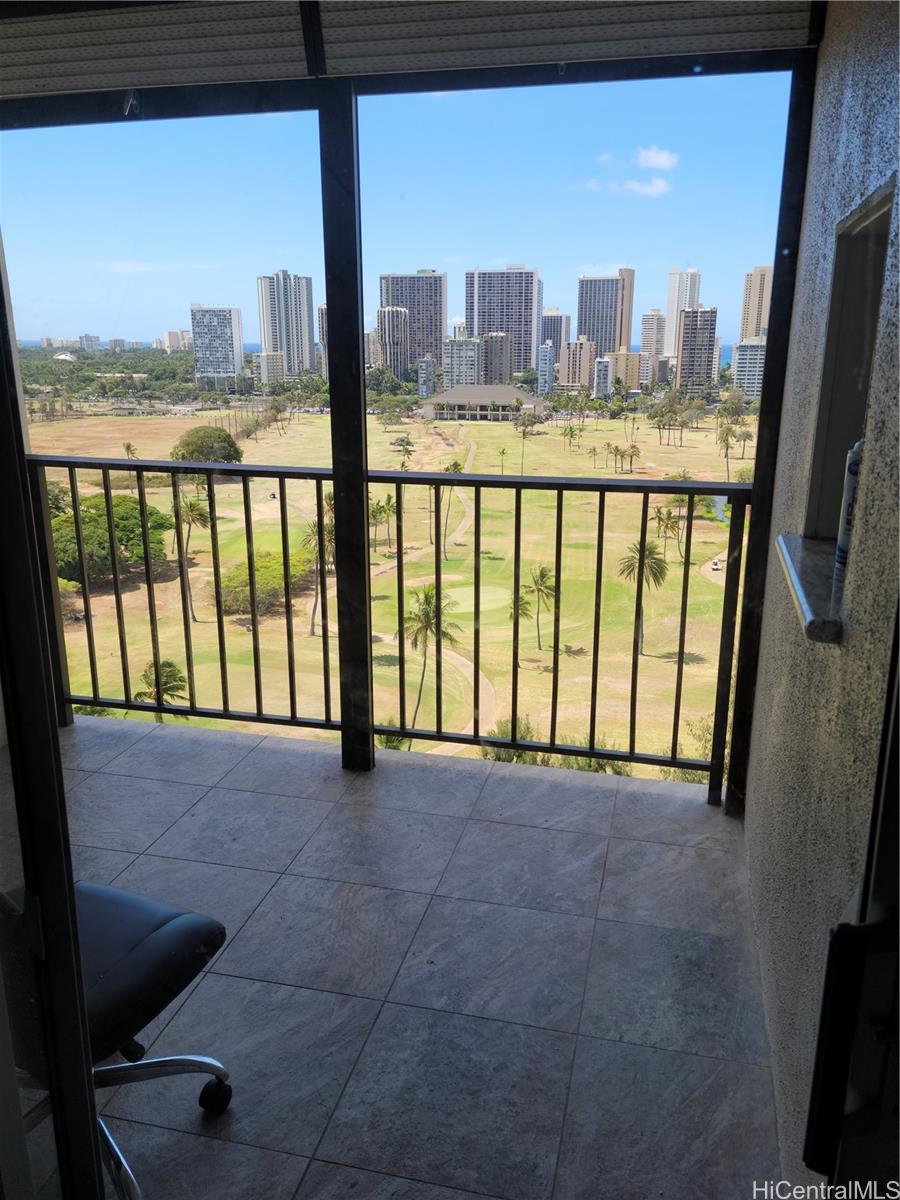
286	320
602	378
757	298
653	333
424	296
135	345
546	368
684	292
496	358
372	348
268	366
460	362
393	339
89	341
510	302
459	329
158	344
747	364
116	345
576	363
696	349
176	340
556	327
323	338
626	366
717	359
218	343
426	372
605	304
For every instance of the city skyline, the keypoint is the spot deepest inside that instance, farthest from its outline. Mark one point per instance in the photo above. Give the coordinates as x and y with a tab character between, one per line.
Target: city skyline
650	191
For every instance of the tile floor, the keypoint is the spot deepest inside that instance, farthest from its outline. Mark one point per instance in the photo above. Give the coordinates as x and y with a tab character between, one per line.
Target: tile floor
443	980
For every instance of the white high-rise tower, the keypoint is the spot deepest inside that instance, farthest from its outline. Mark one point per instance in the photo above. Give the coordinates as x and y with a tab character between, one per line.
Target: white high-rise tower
757	298
286	320
509	301
684	292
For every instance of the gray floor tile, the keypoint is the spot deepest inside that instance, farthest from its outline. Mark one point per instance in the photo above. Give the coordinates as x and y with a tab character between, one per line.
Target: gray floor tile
283	767
92	742
178	1166
532	868
549	797
182	755
421	783
679	887
655	810
119	812
327	1181
457	1101
97	865
644	1122
674	989
73	778
288	1052
342	937
244	829
515	964
360	843
229	894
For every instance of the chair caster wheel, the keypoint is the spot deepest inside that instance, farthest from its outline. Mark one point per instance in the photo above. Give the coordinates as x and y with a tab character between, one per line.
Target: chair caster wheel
215	1097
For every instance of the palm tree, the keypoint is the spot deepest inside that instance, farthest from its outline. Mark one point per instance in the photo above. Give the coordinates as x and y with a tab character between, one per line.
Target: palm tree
389	509
654	575
543	588
172	685
667	525
310	541
525	609
193	512
503	453
421	625
744	436
726	441
633	451
130	453
454	469
608	449
376	516
593	454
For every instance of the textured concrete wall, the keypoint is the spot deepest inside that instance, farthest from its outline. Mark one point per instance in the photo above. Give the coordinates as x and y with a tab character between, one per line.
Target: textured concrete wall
819	708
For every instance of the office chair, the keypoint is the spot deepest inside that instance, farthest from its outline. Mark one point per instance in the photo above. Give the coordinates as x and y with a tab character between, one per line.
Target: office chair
137	956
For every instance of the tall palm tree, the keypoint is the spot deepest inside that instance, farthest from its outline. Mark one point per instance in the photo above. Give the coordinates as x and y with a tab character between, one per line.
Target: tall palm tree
389	509
421	624
525	609
453	469
633	451
130	453
193	512
654	575
744	436
667	525
172	685
310	541
543	588
593	454
376	516
726	441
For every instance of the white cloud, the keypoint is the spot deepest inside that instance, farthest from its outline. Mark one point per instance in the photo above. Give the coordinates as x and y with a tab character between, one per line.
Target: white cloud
643	187
594	185
139	266
605	157
456	321
657	158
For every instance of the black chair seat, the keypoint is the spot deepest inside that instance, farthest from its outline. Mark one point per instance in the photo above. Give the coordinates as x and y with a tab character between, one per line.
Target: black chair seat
137	956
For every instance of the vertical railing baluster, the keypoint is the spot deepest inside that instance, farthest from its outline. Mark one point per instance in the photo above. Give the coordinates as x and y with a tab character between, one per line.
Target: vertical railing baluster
476	618
638	624
117	586
401	620
726	651
595	650
217	588
323	598
151	593
85	583
682	629
251	584
554	691
517	583
288	601
185	595
438	632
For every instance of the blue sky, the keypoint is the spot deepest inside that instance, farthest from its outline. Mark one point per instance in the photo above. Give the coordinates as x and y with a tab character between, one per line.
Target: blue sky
116	230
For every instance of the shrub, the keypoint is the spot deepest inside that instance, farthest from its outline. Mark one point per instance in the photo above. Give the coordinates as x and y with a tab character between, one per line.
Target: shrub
269	575
391	741
525	731
701	732
601	766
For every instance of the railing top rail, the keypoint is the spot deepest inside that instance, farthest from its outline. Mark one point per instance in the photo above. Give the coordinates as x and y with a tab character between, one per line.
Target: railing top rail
570	483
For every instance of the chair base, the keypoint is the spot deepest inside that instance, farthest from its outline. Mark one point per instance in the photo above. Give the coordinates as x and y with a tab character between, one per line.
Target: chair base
124	1183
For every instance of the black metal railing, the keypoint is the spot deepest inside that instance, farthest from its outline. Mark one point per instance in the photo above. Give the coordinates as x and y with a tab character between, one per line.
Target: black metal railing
294	705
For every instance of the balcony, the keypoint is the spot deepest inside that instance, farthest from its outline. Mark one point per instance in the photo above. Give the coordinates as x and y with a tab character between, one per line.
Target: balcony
443	979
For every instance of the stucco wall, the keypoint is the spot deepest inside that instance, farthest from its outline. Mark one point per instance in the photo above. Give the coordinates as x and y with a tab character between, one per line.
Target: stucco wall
819	708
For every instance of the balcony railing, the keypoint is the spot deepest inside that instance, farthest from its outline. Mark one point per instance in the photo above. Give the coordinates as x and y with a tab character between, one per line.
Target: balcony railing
284	690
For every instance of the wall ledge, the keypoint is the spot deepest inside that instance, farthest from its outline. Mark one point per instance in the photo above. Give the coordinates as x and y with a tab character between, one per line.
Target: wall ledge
808	565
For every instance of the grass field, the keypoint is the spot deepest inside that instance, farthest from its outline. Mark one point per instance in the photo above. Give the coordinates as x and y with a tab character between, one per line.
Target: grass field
478	446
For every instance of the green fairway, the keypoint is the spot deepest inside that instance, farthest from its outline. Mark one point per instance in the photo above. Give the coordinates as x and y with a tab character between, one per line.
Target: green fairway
478	446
